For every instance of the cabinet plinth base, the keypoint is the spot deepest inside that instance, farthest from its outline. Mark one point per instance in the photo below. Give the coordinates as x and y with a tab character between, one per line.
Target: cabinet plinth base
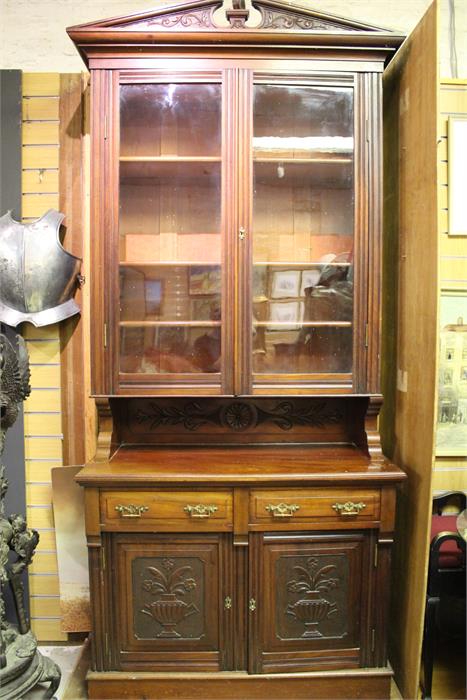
366	684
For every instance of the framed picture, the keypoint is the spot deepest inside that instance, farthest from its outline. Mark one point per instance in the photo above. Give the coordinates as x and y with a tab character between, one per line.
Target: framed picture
204	279
457	175
451	427
285	284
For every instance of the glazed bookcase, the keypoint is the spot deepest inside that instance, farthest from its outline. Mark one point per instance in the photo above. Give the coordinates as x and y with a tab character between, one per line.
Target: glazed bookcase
239	509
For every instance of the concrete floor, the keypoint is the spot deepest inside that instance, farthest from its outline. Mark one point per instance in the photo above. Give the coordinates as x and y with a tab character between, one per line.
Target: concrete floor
67	658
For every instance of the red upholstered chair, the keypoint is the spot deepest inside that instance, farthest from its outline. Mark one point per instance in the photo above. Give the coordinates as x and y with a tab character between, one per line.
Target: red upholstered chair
445	601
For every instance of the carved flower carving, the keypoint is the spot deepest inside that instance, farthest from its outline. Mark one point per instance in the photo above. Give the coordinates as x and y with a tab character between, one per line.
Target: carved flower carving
238	416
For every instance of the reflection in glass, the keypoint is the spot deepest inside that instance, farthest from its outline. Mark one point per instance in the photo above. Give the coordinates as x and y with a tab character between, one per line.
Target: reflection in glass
303	228
170	349
170	293
170	212
170	120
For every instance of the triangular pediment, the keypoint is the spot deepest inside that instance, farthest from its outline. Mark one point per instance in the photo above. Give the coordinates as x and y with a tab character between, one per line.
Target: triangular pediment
268	16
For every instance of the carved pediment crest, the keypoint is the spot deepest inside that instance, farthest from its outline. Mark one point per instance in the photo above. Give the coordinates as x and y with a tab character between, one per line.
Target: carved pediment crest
216	16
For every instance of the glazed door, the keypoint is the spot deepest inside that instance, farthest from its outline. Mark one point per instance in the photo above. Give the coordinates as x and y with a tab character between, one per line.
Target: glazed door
304	247
308	607
238	208
172	602
173	265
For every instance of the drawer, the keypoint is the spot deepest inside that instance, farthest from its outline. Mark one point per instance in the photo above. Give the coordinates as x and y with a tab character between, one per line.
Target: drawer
167	511
317	507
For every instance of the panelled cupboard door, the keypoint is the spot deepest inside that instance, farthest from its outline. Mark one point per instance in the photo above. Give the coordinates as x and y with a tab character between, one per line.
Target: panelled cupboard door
235	207
171	607
308	607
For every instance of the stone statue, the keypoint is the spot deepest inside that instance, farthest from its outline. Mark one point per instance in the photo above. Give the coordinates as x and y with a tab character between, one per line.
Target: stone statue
21	664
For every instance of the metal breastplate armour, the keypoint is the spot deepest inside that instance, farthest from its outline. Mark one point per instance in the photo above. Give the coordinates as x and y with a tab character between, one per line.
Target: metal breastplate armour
37	276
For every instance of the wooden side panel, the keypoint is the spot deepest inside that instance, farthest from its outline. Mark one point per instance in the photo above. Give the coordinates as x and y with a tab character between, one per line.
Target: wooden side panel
411	223
42	410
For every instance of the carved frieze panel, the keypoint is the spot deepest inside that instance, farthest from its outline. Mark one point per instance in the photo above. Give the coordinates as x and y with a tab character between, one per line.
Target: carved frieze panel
152	420
235	415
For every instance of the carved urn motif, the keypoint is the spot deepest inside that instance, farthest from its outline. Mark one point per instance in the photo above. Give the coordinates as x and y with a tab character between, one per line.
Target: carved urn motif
169	609
312	608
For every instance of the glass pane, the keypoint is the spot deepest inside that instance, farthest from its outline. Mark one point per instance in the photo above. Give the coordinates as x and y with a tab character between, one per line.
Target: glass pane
303	223
170	120
170	228
168	293
170	349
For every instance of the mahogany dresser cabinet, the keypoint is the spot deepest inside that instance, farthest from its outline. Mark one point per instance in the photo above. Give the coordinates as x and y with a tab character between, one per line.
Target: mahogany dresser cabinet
239	510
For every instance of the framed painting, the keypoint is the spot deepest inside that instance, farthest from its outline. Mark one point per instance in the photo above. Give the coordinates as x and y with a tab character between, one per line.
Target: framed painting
457	176
451	426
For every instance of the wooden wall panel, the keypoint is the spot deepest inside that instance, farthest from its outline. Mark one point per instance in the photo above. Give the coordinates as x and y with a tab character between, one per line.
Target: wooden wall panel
411	219
43	429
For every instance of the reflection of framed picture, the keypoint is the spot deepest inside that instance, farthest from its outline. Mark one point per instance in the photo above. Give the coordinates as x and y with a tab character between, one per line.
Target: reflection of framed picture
310	278
285	283
451	428
153	297
206	308
288	314
457	175
205	279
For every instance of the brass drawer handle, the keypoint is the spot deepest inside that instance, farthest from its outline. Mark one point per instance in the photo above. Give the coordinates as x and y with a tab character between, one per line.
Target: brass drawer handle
350	508
282	510
130	510
200	510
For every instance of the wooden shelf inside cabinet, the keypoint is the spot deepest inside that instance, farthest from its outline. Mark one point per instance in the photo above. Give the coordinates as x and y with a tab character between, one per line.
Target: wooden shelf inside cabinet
168	263
277	263
308	324
151	324
323	174
203	171
170	159
301	161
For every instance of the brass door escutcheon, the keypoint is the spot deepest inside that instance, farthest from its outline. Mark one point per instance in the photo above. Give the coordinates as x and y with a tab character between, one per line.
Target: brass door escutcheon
282	510
349	508
252	605
227	603
200	510
131	510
